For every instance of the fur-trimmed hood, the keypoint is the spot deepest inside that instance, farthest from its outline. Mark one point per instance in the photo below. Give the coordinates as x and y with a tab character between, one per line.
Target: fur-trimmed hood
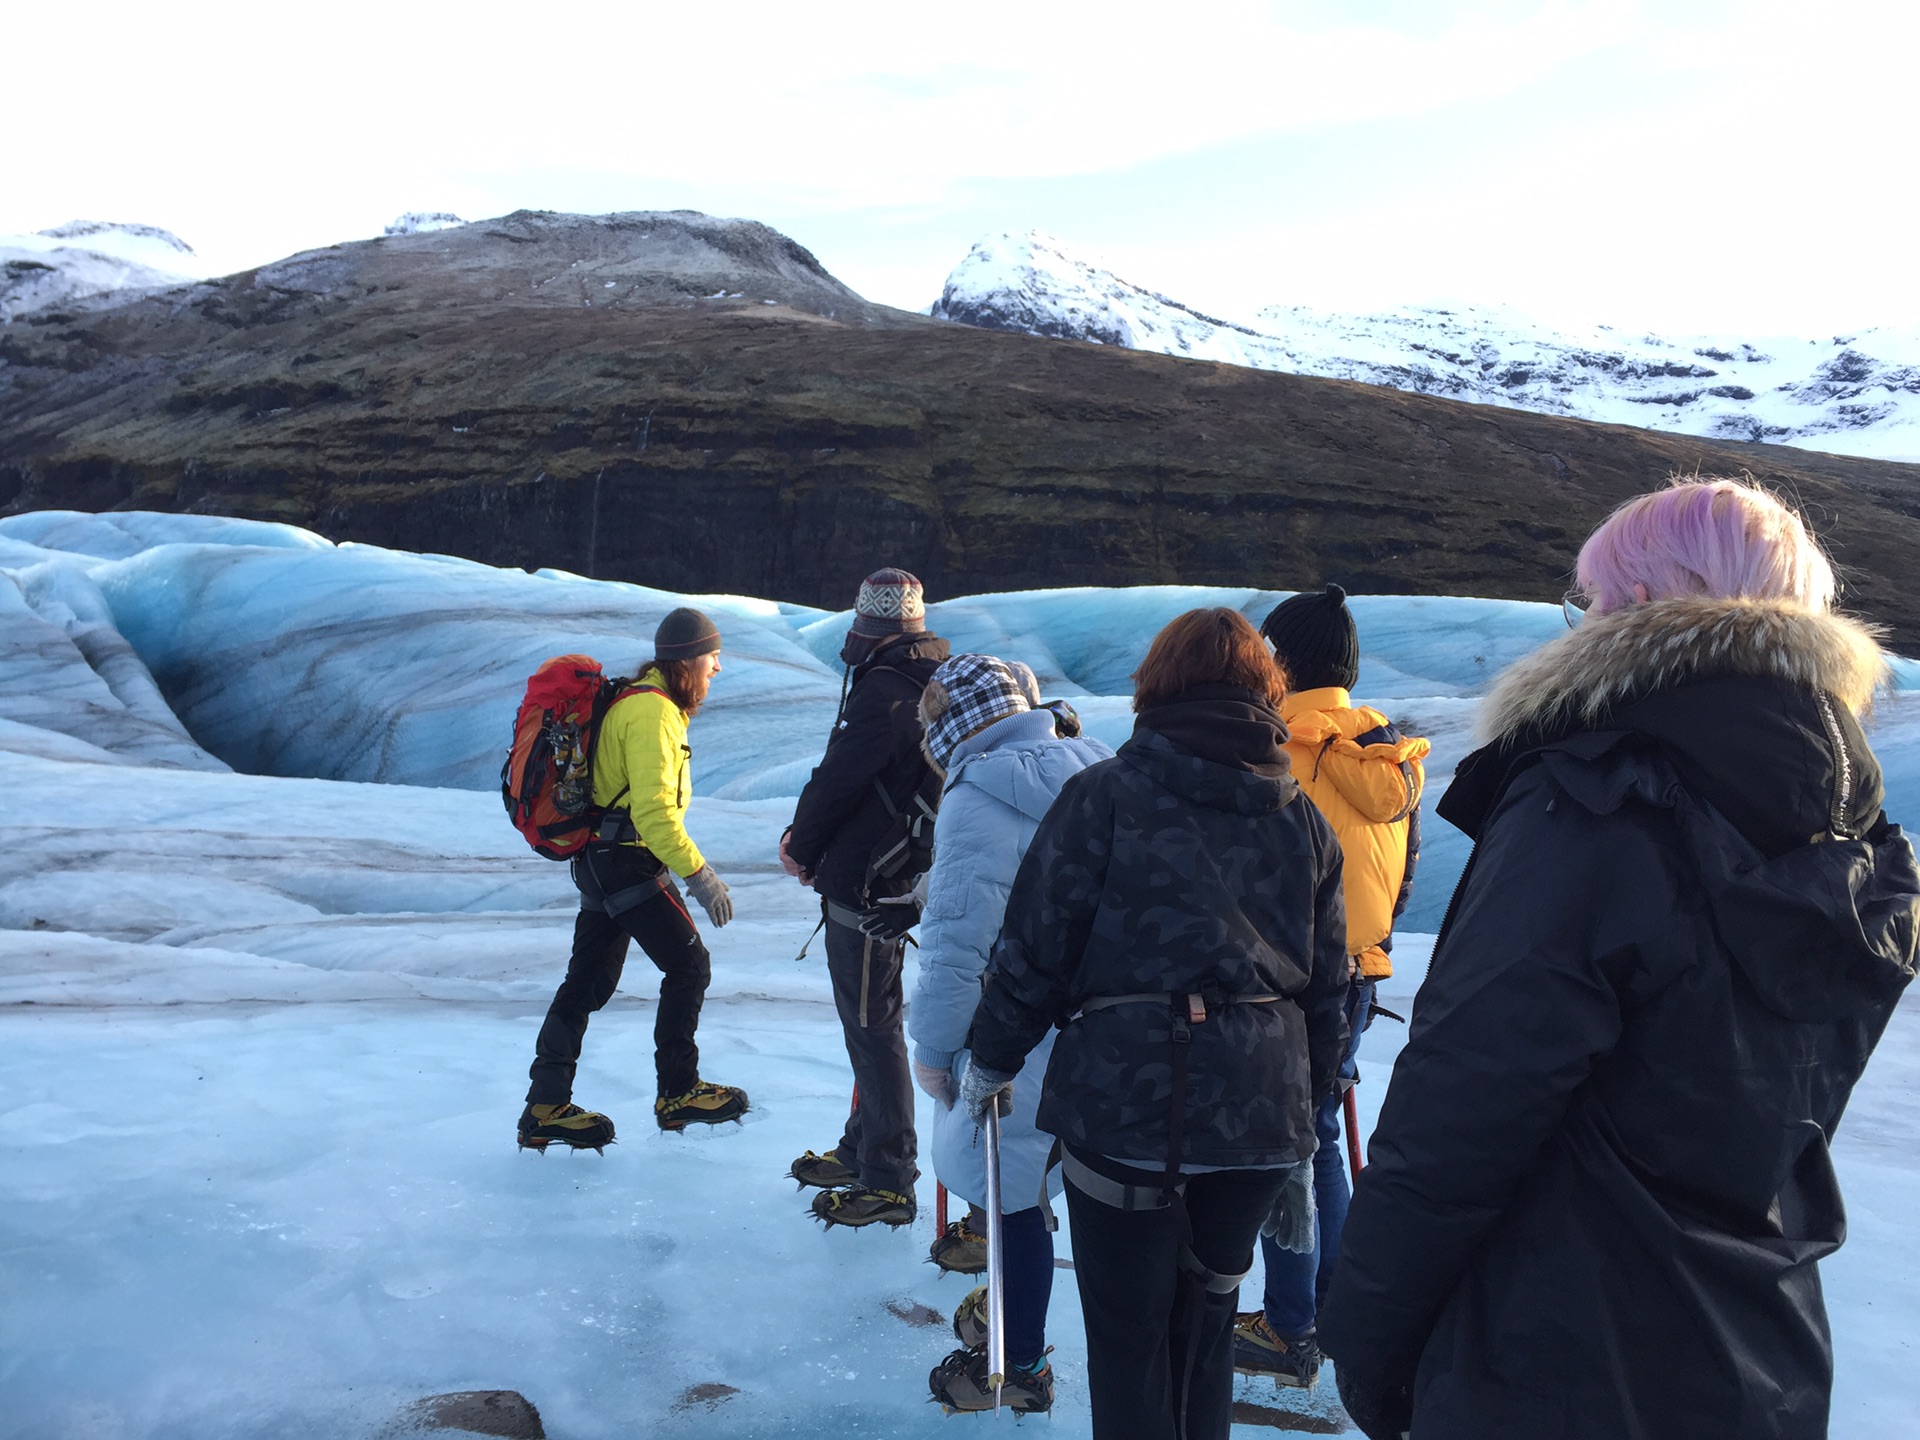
1612	658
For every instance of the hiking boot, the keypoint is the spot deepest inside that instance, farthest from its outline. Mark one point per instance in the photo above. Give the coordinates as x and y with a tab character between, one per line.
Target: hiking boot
960	1249
970	1319
705	1104
1259	1349
959	1383
857	1205
541	1125
827	1171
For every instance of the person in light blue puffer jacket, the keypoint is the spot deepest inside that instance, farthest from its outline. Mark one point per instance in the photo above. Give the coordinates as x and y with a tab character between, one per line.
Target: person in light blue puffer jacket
1004	762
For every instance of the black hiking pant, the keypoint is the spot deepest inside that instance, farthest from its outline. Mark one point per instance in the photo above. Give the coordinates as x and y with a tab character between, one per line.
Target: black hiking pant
879	1144
625	894
1145	1316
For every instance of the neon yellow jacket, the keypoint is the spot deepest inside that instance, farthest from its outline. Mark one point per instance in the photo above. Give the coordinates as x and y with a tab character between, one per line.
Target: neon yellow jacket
644	765
1367	786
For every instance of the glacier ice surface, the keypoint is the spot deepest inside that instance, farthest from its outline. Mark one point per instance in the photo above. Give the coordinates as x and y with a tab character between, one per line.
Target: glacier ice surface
263	1034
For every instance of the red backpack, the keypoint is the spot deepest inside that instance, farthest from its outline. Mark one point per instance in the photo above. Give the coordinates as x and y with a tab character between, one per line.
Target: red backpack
547	780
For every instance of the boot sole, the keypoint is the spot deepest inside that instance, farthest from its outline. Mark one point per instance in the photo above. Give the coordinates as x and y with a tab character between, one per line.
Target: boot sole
803	1182
863	1224
599	1147
947	1267
1291	1382
715	1119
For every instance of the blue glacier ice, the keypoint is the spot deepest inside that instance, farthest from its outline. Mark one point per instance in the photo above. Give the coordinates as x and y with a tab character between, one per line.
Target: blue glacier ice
264	1030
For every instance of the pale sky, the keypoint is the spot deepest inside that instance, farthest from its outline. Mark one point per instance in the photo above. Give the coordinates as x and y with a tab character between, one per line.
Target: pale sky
1746	166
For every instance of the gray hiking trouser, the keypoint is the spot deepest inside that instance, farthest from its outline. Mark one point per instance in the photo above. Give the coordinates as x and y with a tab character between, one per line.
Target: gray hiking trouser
879	1143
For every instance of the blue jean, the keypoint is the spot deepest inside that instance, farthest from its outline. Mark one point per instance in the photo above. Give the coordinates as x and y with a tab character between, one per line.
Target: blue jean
1029	1275
1297	1283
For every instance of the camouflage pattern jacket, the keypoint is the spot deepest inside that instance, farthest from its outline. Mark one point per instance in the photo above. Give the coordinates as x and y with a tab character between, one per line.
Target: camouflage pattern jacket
1167	871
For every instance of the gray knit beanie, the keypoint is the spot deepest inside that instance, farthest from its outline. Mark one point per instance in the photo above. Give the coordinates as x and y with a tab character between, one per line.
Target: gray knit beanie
685	633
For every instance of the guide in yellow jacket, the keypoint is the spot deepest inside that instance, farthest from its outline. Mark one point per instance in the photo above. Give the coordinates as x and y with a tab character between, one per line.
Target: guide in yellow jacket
642	783
1366	778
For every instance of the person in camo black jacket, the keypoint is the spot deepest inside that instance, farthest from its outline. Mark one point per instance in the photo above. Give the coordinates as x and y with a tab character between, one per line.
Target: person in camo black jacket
1179	913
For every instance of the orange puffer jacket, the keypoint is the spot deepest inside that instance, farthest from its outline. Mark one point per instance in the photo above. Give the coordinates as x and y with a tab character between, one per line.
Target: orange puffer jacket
1367	778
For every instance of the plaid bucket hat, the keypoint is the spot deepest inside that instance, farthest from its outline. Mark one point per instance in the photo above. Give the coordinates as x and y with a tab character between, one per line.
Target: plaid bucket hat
973	692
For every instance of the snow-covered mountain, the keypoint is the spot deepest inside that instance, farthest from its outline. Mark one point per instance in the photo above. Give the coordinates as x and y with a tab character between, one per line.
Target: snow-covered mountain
1854	394
89	257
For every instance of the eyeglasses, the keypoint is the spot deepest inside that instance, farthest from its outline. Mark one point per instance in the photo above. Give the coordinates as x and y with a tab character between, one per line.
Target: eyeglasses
1574	606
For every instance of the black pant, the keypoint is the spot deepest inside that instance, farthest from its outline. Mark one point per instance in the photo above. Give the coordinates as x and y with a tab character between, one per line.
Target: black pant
879	1143
624	894
1144	1315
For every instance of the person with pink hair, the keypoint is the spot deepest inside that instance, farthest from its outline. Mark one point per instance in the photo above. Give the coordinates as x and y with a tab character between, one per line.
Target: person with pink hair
1600	1185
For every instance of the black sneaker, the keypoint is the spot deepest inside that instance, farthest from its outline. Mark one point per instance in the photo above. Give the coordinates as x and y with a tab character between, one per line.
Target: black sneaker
960	1249
541	1125
1259	1349
828	1171
959	1383
857	1205
705	1104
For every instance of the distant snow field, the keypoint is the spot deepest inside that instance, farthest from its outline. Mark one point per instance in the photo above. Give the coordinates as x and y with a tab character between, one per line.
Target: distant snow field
1852	394
271	964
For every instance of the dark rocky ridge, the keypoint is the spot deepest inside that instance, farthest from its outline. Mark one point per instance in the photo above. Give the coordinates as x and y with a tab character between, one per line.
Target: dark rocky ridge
486	392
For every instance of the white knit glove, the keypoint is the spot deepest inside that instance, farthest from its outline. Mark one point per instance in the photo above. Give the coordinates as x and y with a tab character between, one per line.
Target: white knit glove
711	891
936	1080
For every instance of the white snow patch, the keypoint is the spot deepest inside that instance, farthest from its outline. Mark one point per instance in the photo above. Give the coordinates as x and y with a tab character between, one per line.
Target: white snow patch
421	222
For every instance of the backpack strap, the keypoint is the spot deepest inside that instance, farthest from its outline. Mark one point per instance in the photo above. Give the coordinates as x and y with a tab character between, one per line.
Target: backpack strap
614	825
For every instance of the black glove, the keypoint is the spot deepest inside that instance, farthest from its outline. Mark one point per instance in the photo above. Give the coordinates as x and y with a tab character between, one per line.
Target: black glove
1382	1411
891	917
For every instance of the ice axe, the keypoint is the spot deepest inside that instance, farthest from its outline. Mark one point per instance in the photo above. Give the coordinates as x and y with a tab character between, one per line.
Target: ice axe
1352	1107
996	1262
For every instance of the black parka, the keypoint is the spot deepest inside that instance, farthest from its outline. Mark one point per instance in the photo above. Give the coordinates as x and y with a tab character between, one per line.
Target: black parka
1166	872
1600	1182
840	818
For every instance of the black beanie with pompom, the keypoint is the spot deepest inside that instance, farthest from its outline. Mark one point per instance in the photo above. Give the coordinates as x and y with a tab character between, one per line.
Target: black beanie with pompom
1314	638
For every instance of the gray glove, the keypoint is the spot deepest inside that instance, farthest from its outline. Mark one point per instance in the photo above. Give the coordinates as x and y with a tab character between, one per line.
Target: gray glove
711	891
979	1086
1290	1224
891	917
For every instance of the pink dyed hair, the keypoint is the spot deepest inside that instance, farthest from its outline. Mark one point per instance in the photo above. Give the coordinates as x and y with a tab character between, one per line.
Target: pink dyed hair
1726	539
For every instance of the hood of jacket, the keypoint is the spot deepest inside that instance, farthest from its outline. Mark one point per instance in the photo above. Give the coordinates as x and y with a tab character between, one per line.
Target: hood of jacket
1021	761
1572	681
1217	746
1324	723
906	652
1736	717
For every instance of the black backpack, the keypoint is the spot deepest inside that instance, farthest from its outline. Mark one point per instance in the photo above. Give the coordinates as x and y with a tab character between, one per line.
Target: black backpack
905	848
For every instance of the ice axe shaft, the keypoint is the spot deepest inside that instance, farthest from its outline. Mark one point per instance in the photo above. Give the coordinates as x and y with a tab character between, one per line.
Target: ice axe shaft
1352	1108
996	1262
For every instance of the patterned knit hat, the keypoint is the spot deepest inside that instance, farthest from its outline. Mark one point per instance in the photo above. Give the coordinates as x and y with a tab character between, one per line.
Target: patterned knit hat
891	602
964	696
1315	640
